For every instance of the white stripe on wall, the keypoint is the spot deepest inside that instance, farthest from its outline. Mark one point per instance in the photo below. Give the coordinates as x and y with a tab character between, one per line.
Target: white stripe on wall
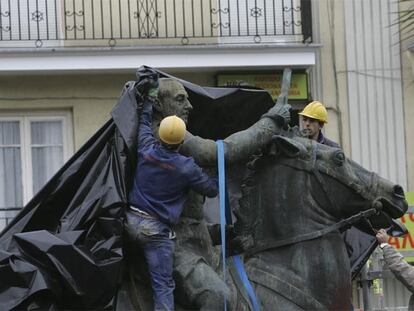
375	87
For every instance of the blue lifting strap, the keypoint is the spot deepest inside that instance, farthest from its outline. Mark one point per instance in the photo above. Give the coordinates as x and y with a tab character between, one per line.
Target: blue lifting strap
225	218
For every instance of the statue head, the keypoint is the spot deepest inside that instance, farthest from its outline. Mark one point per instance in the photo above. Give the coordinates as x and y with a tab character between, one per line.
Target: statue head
172	99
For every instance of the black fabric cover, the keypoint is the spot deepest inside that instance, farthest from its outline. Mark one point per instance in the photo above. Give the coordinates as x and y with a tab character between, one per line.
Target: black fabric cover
64	250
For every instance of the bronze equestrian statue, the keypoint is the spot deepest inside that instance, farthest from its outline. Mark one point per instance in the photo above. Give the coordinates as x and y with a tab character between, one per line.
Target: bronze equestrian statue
293	196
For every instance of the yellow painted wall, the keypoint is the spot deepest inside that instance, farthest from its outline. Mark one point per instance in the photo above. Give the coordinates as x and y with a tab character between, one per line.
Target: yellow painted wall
89	98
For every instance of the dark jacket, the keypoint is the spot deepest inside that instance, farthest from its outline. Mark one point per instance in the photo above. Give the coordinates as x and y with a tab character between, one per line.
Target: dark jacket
163	177
403	271
325	141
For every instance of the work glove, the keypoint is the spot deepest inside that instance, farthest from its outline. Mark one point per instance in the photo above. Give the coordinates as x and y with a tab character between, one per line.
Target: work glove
147	85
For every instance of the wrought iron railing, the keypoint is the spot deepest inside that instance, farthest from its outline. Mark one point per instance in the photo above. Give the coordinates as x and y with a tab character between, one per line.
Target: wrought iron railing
152	22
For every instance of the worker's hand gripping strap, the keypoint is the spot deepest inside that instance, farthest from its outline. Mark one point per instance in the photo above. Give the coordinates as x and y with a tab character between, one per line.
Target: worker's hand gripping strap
225	211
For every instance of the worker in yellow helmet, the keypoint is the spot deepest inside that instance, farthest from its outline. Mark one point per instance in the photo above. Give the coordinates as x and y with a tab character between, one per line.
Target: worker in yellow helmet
313	118
162	181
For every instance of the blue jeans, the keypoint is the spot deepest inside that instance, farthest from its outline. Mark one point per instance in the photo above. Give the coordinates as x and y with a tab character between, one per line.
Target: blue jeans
155	238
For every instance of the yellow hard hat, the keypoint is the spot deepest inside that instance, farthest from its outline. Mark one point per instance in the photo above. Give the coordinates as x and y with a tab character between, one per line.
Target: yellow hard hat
315	110
172	130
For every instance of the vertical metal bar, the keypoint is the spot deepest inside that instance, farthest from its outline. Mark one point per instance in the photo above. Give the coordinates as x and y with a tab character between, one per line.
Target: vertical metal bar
139	24
202	18
175	20
238	18
211	19
120	23
283	16
20	20
228	12
192	16
83	19
365	289
65	17
47	20
93	19
156	18
110	17
1	23
37	20
75	27
292	16
56	21
102	23
220	18
274	18
184	28
28	20
165	18
10	31
129	19
265	16
247	18
256	18
148	19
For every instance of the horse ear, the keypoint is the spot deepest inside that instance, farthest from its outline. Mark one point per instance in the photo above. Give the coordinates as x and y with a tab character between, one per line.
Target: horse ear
288	146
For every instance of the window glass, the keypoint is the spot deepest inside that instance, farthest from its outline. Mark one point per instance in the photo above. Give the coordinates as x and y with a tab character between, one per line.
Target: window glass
47	150
10	165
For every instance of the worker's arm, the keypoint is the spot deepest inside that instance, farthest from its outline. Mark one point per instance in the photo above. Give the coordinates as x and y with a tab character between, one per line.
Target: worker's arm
200	182
145	134
403	271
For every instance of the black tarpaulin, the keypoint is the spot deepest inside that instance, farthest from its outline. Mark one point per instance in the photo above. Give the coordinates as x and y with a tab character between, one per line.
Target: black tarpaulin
64	249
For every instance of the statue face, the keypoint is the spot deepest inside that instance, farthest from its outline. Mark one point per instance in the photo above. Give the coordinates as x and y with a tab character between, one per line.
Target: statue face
173	99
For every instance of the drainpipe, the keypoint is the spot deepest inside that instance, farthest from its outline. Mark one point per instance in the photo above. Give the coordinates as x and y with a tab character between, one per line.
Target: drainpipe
365	283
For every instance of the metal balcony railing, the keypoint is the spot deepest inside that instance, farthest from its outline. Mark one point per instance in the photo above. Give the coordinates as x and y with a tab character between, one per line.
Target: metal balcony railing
7	214
62	23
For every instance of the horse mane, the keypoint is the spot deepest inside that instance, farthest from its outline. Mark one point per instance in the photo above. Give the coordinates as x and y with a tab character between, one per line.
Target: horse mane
245	213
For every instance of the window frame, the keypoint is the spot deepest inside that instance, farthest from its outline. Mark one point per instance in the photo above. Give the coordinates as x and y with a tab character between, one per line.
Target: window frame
25	119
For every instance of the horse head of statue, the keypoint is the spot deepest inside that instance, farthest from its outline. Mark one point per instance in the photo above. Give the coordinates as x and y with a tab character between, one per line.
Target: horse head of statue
295	196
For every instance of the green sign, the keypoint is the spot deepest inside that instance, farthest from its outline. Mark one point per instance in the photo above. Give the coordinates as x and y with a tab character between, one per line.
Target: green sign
269	82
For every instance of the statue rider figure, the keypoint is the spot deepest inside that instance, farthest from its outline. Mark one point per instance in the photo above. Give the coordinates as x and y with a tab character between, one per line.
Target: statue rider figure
198	285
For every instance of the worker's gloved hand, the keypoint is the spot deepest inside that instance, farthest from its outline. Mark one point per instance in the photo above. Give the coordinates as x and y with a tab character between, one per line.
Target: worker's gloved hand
280	113
147	85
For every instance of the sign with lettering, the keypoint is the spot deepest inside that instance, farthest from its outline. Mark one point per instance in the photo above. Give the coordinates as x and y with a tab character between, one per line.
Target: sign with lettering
269	82
405	245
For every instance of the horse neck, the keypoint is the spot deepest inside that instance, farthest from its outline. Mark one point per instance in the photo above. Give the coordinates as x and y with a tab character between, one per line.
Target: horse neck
280	202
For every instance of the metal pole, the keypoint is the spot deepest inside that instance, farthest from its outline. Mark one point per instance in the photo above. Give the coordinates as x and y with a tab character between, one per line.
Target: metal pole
365	289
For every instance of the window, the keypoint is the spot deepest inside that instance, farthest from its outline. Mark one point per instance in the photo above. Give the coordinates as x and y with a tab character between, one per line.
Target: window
32	149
